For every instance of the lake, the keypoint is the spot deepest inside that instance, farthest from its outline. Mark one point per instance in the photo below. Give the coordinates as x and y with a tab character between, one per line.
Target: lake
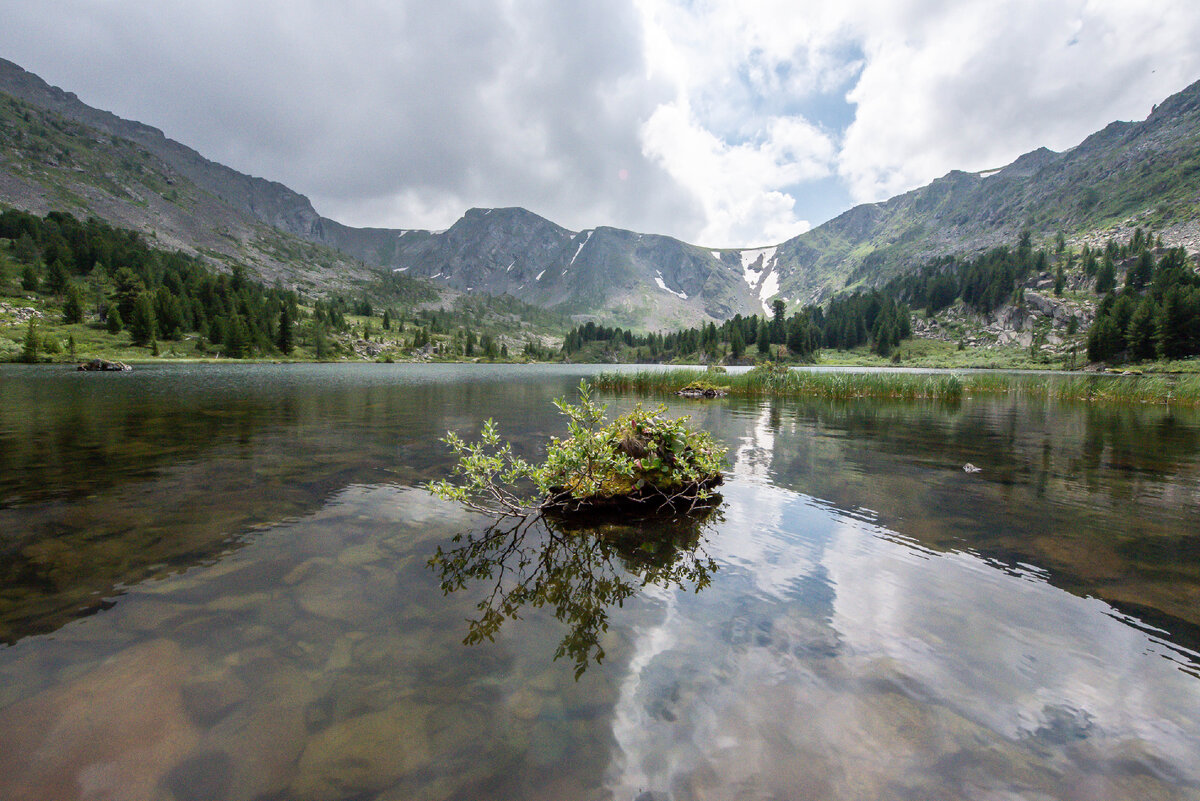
216	585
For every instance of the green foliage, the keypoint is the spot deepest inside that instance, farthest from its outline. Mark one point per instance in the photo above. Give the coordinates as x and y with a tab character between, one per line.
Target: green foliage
113	321
73	305
1106	276
29	278
772	381
141	322
1157	313
183	293
285	341
641	458
32	344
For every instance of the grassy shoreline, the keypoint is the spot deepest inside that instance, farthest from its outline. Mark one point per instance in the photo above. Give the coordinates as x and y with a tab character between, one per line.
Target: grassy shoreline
759	383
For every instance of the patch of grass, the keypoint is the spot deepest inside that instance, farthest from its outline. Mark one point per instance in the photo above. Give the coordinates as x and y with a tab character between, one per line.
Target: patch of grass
1181	390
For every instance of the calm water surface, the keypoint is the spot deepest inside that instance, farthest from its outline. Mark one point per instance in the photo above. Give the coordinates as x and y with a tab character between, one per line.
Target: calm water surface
214	585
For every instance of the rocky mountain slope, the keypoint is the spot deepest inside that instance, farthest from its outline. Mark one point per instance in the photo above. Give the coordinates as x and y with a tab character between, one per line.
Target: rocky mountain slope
92	163
1128	174
57	152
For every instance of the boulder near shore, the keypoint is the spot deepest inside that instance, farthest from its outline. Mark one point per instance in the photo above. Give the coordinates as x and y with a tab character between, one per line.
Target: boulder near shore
104	366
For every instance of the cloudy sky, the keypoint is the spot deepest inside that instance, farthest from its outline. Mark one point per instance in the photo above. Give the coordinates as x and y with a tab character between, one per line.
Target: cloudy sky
722	122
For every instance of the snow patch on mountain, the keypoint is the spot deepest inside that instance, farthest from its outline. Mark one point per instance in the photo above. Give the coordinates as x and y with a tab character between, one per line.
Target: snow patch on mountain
770	286
581	244
658	279
758	271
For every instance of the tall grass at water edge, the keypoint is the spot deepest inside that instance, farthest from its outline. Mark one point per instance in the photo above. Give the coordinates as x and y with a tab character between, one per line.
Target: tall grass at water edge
1181	390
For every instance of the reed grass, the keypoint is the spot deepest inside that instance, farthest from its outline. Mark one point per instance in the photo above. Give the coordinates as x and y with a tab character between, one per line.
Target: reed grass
1179	390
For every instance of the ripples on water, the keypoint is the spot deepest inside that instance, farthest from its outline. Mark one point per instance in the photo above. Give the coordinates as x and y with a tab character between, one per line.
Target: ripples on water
215	586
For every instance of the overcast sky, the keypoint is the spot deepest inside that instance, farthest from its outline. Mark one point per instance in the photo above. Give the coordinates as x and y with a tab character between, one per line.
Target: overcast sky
722	122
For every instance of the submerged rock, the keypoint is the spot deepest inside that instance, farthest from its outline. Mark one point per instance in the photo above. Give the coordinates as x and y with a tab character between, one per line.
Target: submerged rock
110	733
364	755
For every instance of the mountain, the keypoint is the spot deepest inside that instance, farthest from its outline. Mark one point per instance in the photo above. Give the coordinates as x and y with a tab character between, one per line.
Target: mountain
1130	173
57	152
621	277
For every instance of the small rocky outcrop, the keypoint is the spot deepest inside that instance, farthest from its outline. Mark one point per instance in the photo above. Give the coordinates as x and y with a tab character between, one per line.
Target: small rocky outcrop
104	366
702	392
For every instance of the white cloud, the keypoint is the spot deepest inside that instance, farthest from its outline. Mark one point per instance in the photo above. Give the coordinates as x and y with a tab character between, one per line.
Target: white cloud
977	85
935	85
741	187
717	121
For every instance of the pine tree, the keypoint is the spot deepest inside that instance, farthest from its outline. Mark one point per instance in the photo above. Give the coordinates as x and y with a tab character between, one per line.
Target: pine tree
1106	276
320	348
285	335
1172	325
237	337
29	352
737	344
778	326
73	305
56	277
1102	340
1140	334
141	323
24	249
113	321
763	339
29	278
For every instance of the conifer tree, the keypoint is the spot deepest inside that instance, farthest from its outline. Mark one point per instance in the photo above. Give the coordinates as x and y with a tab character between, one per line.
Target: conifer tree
141	323
1106	276
29	351
285	335
29	278
73	305
1140	334
56	277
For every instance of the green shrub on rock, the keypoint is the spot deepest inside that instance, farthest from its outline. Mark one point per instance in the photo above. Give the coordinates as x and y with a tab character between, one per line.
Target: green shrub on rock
641	460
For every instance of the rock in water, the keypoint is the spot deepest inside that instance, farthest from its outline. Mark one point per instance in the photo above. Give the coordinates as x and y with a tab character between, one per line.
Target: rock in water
104	366
970	468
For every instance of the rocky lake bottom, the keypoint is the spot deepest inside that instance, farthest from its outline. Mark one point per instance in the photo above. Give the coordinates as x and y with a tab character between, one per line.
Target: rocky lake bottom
215	586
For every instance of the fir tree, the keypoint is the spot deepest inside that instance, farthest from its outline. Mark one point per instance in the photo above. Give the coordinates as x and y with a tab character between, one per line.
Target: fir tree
29	351
73	305
284	341
29	278
1140	333
141	323
1106	276
113	321
56	277
737	344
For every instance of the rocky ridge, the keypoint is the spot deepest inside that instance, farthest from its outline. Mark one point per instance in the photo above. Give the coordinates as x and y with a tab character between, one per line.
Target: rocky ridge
88	161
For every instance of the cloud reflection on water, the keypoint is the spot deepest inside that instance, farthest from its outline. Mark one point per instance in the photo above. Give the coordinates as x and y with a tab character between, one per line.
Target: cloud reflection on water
834	658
